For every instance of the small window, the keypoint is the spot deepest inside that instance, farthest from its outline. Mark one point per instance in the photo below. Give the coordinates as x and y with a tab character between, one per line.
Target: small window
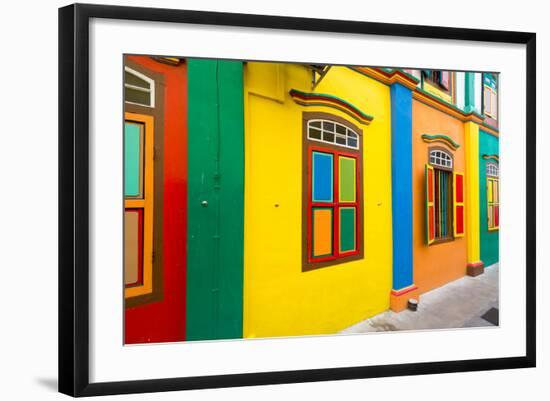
490	102
138	88
440	158
333	133
444	198
492	170
493	196
332	184
490	97
440	78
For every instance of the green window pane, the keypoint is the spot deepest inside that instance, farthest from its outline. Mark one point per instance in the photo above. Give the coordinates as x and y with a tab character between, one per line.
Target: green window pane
133	160
347	229
347	179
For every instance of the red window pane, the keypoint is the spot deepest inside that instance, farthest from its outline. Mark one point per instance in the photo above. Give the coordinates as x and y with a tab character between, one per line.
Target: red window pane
460	219
430	185
459	188
431	223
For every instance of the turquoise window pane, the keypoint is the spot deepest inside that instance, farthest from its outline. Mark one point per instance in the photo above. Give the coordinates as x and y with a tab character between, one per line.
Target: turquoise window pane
132	160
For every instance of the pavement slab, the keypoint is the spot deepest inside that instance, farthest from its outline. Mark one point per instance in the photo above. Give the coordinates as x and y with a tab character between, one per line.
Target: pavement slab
461	303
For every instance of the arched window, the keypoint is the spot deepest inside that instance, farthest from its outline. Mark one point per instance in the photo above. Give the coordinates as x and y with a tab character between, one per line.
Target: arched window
493	196
138	88
440	158
333	191
332	132
492	170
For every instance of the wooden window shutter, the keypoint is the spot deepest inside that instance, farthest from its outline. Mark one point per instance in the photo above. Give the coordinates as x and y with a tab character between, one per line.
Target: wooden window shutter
494	104
458	204
430	207
487	100
445	75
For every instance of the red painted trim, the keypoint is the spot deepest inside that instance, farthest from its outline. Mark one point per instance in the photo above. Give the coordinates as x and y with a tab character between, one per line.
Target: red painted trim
164	321
404	290
476	264
139	280
335	205
459	198
309	206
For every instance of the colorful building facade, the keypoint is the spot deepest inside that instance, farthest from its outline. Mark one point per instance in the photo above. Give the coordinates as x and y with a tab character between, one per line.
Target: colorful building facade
294	199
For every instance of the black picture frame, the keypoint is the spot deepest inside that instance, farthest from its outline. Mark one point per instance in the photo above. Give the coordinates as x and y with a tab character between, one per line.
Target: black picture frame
74	193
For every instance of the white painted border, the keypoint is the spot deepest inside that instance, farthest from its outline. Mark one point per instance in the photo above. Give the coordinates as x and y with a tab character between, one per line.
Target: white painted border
110	361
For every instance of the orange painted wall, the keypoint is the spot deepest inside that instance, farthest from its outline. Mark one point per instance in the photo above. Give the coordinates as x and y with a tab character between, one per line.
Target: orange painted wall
441	263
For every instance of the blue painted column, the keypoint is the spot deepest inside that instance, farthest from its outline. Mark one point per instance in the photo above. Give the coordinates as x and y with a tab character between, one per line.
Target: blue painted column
402	214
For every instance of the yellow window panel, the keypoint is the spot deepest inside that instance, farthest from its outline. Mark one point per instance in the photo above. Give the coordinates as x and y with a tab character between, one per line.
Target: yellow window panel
490	191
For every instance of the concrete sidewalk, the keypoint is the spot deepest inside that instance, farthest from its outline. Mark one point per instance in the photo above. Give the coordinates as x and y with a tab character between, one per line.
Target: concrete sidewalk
461	303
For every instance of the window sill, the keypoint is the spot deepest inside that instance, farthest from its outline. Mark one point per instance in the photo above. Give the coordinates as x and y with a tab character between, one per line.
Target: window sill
442	241
311	266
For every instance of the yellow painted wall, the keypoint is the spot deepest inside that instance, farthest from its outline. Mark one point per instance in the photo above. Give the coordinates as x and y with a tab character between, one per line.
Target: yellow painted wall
280	299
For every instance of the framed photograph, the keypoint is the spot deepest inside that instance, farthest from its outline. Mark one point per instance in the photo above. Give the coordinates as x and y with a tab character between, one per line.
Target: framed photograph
250	199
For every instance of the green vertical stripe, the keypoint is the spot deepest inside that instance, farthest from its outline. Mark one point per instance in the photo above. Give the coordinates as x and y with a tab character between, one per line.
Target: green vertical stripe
439	202
469	92
214	304
489	240
347	179
347	229
131	159
444	204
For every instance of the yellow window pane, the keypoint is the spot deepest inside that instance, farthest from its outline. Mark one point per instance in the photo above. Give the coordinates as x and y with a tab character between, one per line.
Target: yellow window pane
490	191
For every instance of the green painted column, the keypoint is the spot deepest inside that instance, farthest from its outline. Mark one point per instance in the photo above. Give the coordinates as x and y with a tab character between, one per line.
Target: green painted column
489	241
214	304
469	92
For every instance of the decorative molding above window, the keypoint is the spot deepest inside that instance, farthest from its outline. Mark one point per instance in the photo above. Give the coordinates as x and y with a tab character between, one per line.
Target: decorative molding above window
441	138
168	60
323	99
491	157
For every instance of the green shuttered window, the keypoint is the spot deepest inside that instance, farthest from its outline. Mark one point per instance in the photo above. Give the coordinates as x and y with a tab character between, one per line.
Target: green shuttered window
440	198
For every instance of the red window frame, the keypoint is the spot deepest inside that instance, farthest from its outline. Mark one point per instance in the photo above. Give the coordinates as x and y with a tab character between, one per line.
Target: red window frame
335	205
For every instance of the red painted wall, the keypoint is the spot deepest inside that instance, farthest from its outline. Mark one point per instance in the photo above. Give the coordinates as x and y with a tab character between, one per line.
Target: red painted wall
164	321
